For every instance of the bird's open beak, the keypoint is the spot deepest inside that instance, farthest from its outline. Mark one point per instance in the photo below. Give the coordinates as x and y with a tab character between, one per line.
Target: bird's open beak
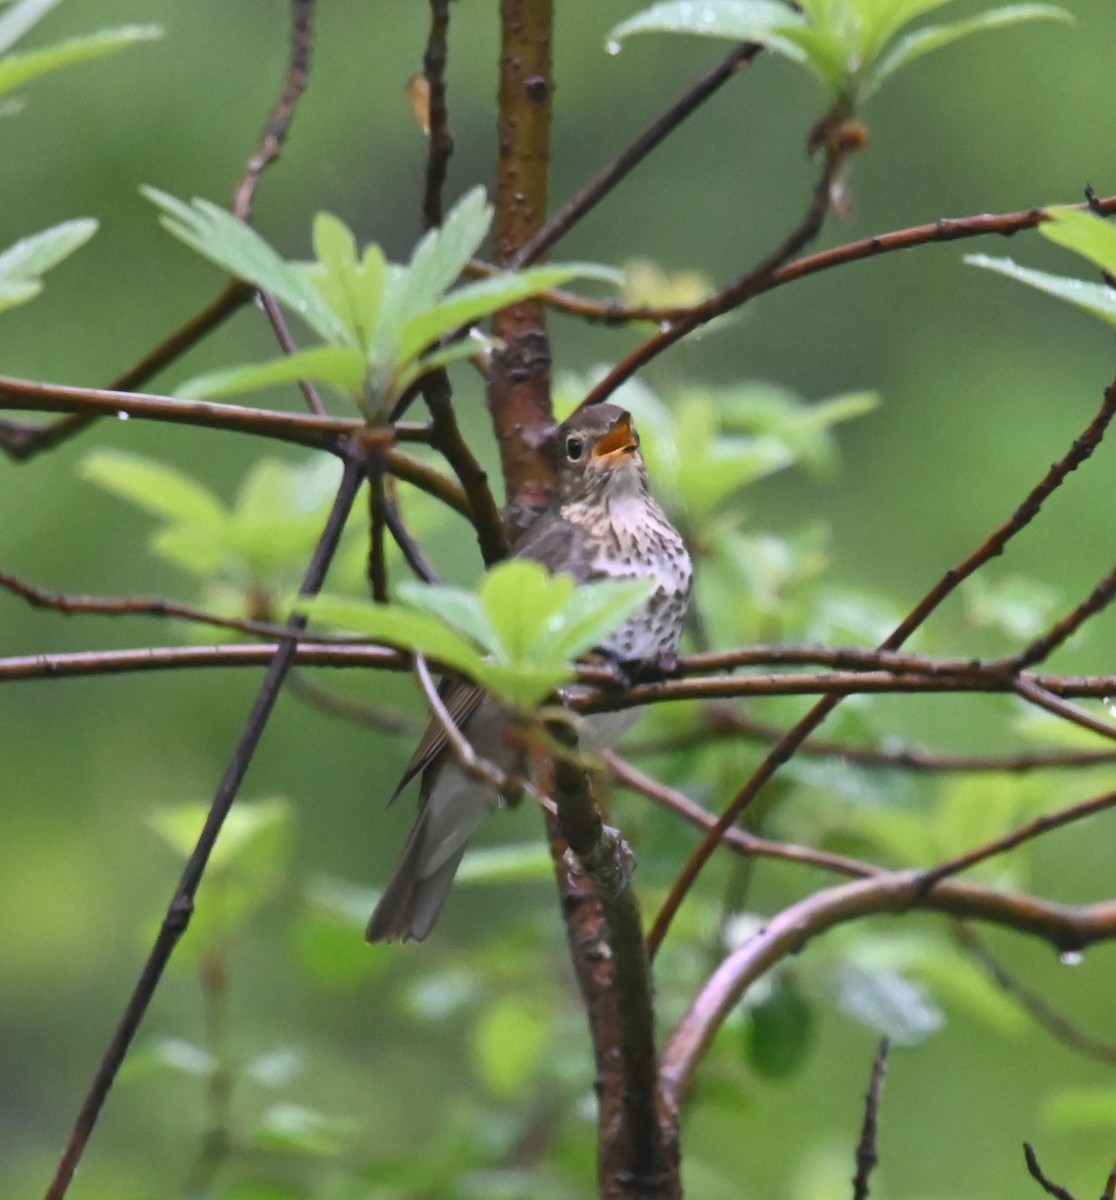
620	441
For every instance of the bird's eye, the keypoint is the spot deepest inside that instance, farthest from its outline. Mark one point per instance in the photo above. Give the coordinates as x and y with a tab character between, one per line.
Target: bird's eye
573	449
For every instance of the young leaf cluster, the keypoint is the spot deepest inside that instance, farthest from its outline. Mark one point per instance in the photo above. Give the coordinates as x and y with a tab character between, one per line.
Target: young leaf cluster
850	46
518	635
383	325
23	265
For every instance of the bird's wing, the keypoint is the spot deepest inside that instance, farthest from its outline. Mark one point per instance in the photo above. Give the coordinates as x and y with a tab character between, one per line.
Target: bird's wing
461	699
556	544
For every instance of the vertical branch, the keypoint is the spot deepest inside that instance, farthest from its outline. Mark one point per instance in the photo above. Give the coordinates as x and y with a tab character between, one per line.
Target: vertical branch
519	388
181	906
867	1155
638	1151
441	140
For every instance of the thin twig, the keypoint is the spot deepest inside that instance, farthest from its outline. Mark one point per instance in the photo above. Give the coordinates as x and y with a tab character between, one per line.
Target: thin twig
1037	1174
23	441
446	437
1017	837
181	906
377	524
787	746
440	147
607	179
1056	1023
1042	647
724	720
867	1154
282	115
944	230
130	606
742	289
1029	689
410	549
336	704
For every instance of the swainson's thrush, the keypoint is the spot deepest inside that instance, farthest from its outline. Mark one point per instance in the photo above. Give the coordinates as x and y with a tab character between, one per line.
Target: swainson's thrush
601	524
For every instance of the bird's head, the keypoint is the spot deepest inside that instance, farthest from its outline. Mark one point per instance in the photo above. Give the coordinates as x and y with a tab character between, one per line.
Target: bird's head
597	450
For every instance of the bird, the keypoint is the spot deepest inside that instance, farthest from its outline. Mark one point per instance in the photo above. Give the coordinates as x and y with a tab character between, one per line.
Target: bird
601	523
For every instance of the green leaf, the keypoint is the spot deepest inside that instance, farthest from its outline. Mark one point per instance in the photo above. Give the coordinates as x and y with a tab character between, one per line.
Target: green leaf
341	366
154	487
22	264
1096	298
933	37
761	21
29	258
508	1045
20	18
455	607
14	294
352	287
520	598
780	1033
18	69
476	300
439	259
1090	236
590	614
225	240
395	626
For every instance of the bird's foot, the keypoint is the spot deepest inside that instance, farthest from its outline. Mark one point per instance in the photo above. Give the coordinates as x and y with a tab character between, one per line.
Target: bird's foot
630	671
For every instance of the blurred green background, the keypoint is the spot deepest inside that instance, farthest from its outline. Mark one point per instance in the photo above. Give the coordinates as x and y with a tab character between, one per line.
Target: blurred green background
982	385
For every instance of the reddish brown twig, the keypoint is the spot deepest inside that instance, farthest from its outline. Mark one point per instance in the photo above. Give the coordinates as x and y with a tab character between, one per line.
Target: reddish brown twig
181	906
947	229
786	747
447	439
867	1155
23	441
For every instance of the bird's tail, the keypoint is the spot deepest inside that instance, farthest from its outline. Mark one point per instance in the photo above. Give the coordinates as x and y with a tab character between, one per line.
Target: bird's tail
414	897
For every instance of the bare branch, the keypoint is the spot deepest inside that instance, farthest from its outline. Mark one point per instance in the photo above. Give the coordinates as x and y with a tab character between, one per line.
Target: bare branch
1036	1172
788	745
181	906
603	183
867	1155
440	147
1066	927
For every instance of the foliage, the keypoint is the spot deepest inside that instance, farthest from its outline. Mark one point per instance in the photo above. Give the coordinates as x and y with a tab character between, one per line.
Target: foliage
850	46
519	635
385	325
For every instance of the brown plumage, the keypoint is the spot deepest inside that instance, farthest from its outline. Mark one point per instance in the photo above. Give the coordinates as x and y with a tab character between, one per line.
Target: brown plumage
602	523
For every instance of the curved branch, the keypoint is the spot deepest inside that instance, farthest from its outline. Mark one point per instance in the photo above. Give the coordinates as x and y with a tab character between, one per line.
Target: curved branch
1066	927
